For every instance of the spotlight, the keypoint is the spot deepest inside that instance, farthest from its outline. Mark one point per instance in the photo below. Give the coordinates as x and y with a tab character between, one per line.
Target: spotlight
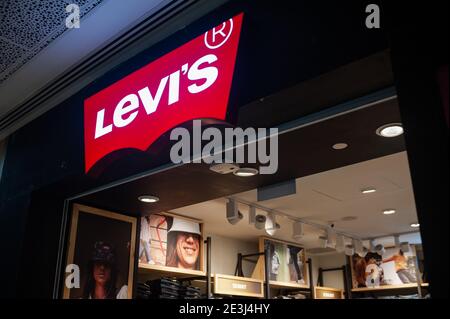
389	211
358	245
260	222
372	245
233	214
363	252
359	248
390	130
251	215
415	225
368	190
379	249
331	237
297	231
148	199
349	250
323	241
271	225
340	243
246	172
397	241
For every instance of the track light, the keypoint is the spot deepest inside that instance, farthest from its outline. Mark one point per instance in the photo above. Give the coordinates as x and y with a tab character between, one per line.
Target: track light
260	222
349	250
251	215
397	241
372	245
379	249
297	230
323	241
331	238
271	225
233	214
359	248
340	243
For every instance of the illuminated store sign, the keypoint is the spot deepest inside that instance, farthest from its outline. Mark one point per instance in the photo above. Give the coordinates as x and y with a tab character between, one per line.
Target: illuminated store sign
191	82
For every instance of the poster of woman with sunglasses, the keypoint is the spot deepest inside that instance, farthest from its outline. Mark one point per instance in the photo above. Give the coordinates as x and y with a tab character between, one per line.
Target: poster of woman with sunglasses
170	241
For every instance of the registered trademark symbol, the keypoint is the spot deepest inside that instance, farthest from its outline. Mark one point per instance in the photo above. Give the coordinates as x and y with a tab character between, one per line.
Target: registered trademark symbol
217	36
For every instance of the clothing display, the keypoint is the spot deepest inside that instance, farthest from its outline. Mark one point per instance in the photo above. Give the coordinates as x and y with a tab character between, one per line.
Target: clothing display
294	295
167	288
190	292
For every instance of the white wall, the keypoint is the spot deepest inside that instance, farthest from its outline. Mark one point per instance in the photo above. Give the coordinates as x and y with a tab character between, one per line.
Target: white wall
224	252
333	279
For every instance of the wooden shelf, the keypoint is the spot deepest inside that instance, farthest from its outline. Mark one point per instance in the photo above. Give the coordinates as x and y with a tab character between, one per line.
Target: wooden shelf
287	285
163	271
389	287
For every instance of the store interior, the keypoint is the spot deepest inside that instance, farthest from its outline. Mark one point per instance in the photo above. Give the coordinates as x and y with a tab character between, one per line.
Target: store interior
342	190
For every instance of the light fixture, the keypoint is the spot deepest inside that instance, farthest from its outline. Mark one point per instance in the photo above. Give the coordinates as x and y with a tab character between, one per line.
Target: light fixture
323	241
224	168
251	215
404	246
397	241
340	146
415	225
331	235
349	250
232	213
340	243
359	247
368	190
271	225
390	130
363	252
297	230
379	249
148	199
372	245
246	172
389	211
260	222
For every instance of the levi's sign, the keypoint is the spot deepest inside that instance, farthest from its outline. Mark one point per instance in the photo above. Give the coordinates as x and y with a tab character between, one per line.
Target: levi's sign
191	82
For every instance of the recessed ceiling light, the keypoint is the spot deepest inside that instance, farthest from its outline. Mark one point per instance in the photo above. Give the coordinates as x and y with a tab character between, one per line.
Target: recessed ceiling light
389	211
340	146
415	225
368	190
148	199
390	130
246	172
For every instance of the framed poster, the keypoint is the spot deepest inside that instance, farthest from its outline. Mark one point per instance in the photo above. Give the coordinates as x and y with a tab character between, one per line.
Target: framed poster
172	241
287	263
102	246
393	267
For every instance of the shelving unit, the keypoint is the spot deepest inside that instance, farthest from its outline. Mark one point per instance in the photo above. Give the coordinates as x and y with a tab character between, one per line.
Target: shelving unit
390	287
286	285
156	271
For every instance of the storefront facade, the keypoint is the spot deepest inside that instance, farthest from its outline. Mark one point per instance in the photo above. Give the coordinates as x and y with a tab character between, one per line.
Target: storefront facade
320	67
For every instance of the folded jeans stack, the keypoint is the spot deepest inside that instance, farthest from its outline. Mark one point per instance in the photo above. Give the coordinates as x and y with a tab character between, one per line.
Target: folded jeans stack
190	292
164	288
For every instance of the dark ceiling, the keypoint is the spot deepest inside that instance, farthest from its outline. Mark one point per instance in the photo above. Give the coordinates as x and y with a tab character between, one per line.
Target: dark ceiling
304	151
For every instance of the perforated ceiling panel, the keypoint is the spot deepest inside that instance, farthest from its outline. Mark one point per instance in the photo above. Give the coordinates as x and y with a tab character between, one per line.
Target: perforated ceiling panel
28	26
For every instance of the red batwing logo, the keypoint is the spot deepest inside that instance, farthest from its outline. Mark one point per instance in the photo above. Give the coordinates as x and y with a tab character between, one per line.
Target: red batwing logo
191	82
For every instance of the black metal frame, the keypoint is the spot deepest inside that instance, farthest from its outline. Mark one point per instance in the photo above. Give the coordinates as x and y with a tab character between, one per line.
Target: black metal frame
239	271
344	270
